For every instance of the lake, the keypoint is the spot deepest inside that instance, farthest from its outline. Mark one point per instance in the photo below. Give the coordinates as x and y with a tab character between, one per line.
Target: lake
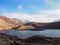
27	34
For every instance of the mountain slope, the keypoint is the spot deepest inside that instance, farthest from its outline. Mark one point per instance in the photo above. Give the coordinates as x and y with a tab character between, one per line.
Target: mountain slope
6	23
17	21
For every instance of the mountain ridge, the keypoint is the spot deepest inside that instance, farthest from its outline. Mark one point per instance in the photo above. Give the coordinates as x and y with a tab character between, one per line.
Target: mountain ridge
9	23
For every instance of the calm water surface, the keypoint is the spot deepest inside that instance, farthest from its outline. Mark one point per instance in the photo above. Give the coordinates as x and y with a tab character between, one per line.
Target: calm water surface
27	34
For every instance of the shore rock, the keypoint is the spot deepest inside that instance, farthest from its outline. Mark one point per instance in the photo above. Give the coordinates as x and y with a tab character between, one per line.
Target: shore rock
35	40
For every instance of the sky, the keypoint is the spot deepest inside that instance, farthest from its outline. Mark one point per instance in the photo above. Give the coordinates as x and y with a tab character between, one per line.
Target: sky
32	10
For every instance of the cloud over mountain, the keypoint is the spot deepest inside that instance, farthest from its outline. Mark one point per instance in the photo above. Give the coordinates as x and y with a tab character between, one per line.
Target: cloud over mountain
41	16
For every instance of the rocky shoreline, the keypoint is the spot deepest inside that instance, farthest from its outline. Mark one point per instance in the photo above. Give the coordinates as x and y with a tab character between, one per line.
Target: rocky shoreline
35	40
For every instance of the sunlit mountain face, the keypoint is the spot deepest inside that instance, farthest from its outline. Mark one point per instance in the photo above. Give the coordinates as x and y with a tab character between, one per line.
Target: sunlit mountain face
7	23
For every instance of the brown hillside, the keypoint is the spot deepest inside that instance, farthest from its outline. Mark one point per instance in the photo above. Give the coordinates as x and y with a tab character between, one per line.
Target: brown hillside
6	23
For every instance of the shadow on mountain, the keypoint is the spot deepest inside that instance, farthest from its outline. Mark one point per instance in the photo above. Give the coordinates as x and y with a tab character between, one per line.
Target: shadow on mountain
53	25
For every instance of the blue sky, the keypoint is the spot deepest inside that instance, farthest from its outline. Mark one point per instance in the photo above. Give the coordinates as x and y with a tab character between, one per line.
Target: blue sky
28	6
32	10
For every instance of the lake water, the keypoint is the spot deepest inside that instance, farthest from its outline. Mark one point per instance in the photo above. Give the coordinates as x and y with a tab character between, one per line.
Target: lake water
27	34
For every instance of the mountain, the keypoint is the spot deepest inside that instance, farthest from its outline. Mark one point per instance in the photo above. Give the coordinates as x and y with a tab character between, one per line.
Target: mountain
36	25
13	23
17	21
52	25
6	23
26	21
21	24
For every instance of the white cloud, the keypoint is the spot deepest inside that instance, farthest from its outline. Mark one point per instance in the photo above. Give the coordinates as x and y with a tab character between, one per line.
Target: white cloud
20	6
42	16
34	18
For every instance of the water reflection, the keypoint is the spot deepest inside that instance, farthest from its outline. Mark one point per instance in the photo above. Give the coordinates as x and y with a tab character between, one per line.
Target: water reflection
26	34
